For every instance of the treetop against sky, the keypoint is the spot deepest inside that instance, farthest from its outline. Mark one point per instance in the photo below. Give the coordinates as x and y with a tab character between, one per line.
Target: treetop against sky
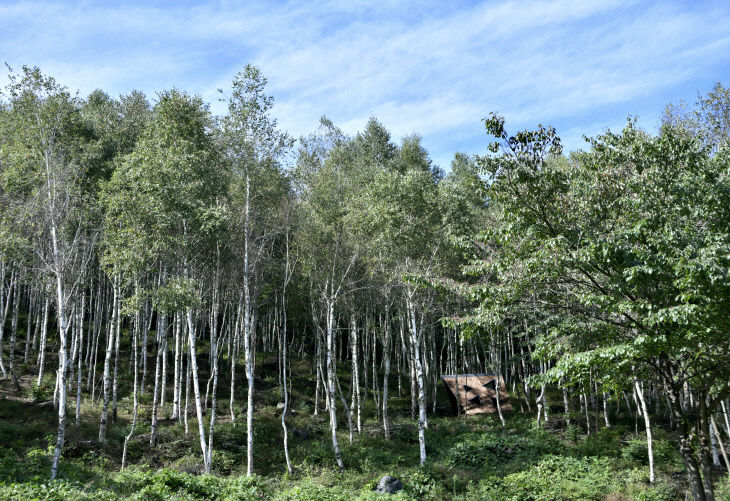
434	68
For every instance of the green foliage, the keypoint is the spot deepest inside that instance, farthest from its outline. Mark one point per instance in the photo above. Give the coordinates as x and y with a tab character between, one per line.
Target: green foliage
573	432
722	492
492	448
423	483
557	478
38	393
52	491
310	491
603	443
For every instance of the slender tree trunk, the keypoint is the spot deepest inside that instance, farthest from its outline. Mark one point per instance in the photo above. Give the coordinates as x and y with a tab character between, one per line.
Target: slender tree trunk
177	376
14	335
161	328
196	388
163	377
79	364
714	443
719	442
42	349
134	391
247	336
317	374
115	383
416	341
727	421
234	358
355	372
386	376
4	313
214	360
331	382
539	401
146	321
284	345
29	327
347	410
498	387
107	364
187	393
62	353
647	426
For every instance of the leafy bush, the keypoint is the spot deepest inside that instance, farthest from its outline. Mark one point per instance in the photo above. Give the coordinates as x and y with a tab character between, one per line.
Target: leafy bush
38	393
224	462
243	488
639	488
555	478
309	491
405	432
573	433
494	447
665	452
606	442
424	483
57	490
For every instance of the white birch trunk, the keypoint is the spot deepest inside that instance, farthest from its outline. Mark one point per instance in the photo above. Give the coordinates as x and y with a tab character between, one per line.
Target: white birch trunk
42	348
107	366
331	382
234	357
287	277
356	404
177	374
196	388
14	335
647	426
416	342
62	354
247	336
79	364
161	327
115	381
386	377
135	396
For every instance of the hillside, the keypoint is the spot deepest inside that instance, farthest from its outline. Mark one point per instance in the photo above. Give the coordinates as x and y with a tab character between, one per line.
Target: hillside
471	458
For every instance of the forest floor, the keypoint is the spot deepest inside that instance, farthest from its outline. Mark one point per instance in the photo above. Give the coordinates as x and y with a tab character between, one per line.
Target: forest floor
469	458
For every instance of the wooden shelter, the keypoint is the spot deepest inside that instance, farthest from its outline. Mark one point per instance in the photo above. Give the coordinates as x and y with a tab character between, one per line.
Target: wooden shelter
476	393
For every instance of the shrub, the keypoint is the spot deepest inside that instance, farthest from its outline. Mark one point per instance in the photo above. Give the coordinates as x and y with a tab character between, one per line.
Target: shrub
573	433
555	478
495	447
244	488
38	393
309	491
423	483
606	442
57	490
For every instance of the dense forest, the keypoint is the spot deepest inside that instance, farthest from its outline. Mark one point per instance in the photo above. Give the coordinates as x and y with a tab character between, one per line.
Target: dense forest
196	306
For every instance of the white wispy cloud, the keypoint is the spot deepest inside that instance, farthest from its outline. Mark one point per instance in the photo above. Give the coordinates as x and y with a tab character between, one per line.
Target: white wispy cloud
434	68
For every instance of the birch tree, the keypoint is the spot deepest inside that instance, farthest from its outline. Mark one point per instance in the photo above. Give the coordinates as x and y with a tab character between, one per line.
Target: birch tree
45	146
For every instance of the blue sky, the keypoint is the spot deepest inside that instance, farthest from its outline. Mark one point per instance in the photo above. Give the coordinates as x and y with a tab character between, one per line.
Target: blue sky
435	68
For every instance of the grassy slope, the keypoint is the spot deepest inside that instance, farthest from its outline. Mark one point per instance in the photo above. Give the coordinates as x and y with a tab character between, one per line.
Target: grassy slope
469	458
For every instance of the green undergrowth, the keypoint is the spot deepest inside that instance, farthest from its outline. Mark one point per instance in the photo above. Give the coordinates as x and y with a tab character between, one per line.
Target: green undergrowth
472	458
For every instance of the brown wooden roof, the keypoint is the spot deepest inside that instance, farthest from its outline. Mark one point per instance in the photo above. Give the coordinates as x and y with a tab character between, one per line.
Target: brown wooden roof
476	393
